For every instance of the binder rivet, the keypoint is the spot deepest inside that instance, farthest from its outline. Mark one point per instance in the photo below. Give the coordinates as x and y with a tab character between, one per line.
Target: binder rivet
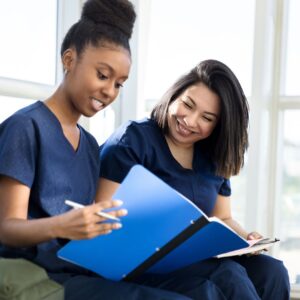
157	249
192	222
124	275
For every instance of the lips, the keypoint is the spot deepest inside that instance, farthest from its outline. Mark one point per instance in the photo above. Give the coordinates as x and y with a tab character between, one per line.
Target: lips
182	130
97	104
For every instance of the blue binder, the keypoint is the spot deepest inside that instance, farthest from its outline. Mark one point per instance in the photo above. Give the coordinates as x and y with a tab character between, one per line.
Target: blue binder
162	232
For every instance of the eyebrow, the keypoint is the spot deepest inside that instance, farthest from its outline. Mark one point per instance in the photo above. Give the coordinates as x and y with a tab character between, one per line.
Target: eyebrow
106	65
206	112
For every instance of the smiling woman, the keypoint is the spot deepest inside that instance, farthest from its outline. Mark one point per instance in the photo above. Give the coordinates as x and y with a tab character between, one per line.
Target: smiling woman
35	181
195	141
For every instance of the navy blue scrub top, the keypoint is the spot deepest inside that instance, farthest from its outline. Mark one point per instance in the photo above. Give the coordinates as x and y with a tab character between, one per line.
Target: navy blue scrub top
142	142
34	151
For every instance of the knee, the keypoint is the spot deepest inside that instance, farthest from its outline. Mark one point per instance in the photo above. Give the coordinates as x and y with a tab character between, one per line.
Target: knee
233	280
275	277
231	269
275	270
231	274
279	275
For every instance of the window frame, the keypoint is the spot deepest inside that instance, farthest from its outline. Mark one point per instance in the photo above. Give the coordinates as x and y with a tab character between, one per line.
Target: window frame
68	12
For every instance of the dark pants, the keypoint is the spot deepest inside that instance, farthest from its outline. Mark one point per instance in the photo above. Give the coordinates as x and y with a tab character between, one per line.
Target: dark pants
243	278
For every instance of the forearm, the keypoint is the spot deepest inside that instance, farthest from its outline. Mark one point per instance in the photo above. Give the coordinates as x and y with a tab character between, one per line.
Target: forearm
25	233
236	227
106	189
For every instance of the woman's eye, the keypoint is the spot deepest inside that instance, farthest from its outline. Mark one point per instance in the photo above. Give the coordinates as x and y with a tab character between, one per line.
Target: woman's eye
207	119
188	105
118	85
101	76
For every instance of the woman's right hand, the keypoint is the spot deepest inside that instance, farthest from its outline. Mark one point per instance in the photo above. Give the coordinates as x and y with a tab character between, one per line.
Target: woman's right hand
84	223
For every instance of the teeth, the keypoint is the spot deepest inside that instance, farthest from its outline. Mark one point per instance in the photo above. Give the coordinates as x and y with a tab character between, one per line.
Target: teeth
98	105
186	131
98	100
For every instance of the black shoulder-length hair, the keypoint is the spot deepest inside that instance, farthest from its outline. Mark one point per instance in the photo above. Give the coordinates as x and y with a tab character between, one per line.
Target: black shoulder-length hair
228	142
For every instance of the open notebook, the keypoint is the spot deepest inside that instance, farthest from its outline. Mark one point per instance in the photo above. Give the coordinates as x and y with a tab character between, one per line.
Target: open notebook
162	232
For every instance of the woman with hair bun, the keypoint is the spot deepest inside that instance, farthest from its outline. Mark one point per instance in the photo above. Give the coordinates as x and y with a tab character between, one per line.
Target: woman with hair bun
46	157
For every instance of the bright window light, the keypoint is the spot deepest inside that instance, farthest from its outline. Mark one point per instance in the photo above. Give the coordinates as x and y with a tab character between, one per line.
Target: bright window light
28	31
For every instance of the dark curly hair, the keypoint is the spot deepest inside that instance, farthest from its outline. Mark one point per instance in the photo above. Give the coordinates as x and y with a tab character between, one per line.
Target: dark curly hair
228	142
101	21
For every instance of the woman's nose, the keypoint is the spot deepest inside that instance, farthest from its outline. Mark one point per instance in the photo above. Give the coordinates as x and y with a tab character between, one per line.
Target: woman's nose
191	120
110	91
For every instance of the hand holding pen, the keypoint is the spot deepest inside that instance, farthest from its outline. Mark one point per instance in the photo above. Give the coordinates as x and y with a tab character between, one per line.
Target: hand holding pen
85	222
99	213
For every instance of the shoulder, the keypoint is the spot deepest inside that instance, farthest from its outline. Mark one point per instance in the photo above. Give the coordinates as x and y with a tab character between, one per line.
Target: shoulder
141	131
24	117
22	128
31	109
18	122
19	144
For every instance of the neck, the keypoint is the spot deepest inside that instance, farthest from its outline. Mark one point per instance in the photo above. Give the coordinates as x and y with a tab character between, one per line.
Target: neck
63	109
182	154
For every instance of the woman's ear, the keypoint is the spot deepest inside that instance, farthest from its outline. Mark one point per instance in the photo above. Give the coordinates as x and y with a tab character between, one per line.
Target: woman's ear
68	58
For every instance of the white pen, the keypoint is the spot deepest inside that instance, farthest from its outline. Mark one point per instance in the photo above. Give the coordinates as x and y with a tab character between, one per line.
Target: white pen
99	213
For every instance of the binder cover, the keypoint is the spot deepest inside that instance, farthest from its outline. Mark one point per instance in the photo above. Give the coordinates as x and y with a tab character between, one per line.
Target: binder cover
162	232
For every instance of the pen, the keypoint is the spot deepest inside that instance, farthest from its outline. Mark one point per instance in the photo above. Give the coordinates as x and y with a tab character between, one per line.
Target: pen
100	213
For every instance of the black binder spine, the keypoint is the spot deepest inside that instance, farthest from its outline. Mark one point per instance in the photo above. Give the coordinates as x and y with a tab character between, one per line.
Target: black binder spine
167	248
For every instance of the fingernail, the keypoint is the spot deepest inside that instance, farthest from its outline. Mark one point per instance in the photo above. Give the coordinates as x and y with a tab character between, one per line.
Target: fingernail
117	225
124	212
118	202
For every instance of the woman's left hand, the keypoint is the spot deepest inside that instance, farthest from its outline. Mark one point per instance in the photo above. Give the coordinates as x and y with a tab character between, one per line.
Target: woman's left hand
255	236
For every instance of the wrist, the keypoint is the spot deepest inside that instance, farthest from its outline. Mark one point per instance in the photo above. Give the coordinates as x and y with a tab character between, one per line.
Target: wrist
54	228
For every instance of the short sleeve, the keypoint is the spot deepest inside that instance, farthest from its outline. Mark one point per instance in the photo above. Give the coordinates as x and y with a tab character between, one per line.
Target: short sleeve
18	149
225	189
123	150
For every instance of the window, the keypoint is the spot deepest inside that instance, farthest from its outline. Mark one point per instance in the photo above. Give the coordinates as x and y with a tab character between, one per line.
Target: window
102	124
289	170
177	41
28	59
290	198
28	62
291	84
28	29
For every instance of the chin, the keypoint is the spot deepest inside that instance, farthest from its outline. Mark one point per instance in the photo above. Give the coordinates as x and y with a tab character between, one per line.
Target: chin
88	114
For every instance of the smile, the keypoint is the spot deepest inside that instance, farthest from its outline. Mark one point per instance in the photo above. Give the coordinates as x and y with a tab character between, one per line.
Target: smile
97	104
183	130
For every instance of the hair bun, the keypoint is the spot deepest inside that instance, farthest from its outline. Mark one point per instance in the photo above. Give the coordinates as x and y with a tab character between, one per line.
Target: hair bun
116	13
